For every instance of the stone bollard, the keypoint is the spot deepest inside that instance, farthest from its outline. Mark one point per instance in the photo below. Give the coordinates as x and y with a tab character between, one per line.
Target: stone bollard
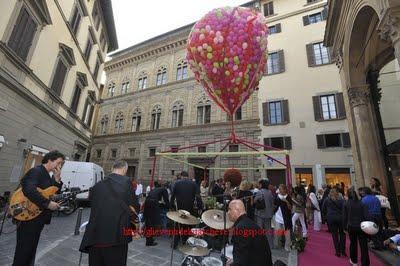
78	221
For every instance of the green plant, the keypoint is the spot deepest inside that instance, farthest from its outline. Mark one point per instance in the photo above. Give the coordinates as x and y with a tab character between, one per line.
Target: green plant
210	203
299	243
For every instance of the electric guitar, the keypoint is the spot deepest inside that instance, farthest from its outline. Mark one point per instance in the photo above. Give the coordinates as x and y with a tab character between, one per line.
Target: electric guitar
22	209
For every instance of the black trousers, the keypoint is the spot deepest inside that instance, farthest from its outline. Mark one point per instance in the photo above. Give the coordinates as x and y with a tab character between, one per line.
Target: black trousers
152	219
384	218
354	235
335	226
377	239
28	234
108	256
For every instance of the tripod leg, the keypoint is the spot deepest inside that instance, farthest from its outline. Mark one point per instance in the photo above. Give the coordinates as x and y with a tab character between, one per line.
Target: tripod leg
172	245
80	259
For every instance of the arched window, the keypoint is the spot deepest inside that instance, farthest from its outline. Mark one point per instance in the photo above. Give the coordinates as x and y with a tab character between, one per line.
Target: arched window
142	82
161	76
126	86
111	89
119	123
177	114
155	118
182	70
136	119
104	124
204	111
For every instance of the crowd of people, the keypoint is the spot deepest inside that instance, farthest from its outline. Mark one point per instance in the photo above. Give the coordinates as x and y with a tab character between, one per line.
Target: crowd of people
282	212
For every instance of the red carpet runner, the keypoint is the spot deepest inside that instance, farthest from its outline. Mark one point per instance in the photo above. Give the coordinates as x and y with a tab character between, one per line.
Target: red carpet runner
320	251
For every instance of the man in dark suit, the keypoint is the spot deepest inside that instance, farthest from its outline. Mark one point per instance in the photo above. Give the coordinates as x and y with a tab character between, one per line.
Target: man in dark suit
155	202
106	237
185	192
250	247
28	232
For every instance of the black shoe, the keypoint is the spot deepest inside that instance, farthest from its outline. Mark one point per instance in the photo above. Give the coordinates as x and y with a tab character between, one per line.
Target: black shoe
151	244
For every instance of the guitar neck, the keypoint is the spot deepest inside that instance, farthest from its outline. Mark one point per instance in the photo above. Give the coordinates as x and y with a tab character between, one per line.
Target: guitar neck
66	195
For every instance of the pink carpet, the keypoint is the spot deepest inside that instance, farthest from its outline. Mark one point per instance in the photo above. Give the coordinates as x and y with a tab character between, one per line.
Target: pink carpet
320	251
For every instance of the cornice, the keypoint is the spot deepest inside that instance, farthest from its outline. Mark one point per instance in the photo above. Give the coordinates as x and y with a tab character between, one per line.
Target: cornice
151	90
241	126
127	59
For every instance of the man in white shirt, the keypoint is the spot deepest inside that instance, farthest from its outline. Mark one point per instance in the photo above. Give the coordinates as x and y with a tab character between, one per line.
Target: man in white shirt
148	190
139	190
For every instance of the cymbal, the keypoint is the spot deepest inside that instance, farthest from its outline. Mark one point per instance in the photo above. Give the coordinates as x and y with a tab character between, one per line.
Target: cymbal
182	217
215	219
194	251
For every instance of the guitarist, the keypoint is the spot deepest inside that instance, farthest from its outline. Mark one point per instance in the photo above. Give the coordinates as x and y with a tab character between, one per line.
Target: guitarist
107	235
28	232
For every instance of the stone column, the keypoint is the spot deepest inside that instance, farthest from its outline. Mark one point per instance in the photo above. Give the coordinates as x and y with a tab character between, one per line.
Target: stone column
370	156
389	29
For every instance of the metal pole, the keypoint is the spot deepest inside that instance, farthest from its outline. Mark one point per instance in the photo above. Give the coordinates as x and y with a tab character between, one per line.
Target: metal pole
78	221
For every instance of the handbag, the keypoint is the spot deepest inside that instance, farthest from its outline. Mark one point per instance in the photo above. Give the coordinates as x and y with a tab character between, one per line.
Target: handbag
260	203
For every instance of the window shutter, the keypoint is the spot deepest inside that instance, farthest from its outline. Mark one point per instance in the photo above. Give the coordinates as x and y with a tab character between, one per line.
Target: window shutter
27	38
324	13
265	107
317	108
18	30
75	99
340	106
281	61
310	55
285	109
306	20
267	142
89	122
288	143
321	142
346	140
85	110
59	77
278	28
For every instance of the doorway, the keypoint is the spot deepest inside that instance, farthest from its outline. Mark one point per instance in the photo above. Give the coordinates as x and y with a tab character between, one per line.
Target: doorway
276	176
131	172
199	175
335	176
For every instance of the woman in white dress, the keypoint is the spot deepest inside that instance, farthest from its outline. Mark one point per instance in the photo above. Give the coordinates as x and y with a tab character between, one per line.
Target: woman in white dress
315	205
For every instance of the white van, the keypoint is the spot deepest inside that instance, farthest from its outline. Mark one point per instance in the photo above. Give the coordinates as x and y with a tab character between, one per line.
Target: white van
81	174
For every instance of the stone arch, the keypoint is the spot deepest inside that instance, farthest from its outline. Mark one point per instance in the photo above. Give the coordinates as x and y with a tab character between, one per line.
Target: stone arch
365	53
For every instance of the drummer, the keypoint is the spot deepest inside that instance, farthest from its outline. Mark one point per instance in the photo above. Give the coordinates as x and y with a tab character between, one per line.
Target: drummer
186	192
251	248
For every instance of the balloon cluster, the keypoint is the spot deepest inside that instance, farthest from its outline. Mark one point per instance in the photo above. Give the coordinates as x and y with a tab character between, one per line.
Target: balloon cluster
227	51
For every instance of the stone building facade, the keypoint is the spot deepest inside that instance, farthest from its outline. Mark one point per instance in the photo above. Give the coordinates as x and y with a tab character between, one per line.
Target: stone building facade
301	98
152	103
51	57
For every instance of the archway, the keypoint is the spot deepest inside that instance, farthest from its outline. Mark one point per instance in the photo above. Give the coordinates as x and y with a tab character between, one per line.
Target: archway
365	54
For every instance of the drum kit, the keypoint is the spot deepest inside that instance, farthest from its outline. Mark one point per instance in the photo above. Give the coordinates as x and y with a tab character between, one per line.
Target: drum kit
196	249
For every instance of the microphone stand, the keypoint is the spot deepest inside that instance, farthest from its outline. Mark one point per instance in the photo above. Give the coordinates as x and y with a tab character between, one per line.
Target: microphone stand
224	198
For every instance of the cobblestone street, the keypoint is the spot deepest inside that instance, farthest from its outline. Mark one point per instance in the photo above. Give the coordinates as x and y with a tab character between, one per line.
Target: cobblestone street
59	246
